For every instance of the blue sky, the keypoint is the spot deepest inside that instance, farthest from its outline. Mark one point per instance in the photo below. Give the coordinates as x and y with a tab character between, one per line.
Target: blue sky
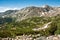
17	4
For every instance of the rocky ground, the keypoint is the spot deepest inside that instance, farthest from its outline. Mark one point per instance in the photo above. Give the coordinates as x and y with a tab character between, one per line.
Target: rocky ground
33	37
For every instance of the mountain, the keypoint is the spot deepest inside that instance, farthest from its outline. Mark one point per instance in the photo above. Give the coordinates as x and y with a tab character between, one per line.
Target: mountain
30	20
29	12
7	13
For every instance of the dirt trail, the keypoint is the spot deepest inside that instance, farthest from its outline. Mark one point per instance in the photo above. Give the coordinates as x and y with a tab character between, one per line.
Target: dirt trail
44	27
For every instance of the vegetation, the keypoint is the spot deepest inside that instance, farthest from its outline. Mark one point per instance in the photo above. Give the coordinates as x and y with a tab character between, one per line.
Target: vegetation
10	28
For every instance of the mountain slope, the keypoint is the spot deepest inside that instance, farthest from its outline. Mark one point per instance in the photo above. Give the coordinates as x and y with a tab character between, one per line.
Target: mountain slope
7	13
33	11
29	12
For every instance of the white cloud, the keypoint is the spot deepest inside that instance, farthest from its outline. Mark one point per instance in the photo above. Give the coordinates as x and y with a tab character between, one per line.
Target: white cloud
2	9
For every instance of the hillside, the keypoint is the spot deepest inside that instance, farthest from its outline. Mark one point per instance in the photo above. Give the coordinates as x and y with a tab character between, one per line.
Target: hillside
13	28
18	22
28	12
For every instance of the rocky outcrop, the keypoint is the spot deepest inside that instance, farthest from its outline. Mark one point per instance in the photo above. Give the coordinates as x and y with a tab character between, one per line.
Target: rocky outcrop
26	37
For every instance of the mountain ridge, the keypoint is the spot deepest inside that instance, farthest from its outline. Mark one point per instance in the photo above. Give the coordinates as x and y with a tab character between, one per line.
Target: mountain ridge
32	11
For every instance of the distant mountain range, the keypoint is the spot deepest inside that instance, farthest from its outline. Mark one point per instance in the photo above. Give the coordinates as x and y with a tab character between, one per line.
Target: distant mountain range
32	11
6	13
